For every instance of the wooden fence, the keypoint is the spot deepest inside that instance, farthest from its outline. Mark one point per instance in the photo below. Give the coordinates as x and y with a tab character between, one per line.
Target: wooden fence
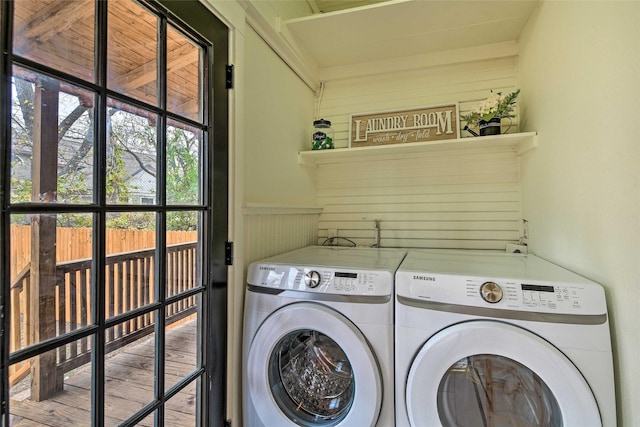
129	284
76	243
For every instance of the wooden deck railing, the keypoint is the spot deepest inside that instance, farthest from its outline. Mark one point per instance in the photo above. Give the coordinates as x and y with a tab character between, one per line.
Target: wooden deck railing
129	284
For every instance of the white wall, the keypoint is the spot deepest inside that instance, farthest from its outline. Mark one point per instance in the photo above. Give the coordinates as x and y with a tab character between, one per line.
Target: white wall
271	114
580	79
278	193
278	119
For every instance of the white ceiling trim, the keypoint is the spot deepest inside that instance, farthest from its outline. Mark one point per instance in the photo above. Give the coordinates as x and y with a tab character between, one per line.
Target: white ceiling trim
303	67
415	62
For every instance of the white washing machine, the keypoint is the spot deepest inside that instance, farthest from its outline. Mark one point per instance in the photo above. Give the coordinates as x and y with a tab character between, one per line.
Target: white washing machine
500	340
318	338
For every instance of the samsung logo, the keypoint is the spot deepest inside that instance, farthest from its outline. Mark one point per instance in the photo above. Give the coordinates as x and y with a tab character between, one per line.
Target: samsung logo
268	268
426	278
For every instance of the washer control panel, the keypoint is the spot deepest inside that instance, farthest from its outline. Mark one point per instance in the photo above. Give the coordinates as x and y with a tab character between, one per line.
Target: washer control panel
312	279
322	280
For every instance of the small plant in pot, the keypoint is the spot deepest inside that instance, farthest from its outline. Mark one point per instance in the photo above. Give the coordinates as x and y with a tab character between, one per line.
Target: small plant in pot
487	115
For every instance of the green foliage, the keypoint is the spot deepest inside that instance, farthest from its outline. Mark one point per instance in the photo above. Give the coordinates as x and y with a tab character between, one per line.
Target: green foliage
72	187
182	167
117	177
74	221
496	105
132	221
20	190
182	221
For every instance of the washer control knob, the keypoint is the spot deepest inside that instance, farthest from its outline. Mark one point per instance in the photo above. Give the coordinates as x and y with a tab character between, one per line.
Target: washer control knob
491	292
312	279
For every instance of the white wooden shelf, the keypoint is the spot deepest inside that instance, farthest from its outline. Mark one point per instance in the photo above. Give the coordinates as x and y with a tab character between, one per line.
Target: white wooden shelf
520	142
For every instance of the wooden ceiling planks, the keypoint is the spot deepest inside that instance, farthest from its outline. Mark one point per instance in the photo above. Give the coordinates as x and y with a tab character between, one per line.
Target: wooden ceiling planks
61	35
58	34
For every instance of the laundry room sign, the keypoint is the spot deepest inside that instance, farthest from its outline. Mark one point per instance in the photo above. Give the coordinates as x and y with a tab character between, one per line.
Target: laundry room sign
405	126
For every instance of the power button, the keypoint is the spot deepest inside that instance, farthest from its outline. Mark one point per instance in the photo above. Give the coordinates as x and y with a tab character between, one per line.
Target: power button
312	279
491	292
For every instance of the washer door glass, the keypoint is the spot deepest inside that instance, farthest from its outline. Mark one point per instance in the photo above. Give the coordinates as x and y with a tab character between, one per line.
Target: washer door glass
311	378
489	390
308	365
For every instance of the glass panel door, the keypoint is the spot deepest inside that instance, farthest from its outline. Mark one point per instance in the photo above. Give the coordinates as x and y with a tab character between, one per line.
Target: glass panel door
110	219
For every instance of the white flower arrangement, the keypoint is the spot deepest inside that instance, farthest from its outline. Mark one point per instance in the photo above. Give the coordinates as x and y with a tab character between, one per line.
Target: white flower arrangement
496	105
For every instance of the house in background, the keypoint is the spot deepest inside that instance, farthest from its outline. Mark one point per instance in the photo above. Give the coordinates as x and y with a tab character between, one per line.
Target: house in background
142	186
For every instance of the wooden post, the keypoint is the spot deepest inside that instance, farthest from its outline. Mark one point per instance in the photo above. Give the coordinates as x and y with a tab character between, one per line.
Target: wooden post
46	381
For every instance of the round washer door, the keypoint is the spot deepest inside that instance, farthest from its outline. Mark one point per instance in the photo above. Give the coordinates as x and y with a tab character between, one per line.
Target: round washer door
308	365
482	373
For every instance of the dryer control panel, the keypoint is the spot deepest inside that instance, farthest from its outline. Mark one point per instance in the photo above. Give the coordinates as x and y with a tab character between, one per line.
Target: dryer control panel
562	298
508	294
490	281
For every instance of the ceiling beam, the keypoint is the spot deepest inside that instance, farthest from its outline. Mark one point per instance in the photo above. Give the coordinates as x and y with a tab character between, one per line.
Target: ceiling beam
53	19
314	6
181	57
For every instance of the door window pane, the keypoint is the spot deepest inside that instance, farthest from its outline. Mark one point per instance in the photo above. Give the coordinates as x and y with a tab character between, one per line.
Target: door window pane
52	140
184	165
130	263
50	277
182	408
184	78
132	51
53	388
100	140
131	154
57	33
182	340
149	420
487	387
183	252
129	369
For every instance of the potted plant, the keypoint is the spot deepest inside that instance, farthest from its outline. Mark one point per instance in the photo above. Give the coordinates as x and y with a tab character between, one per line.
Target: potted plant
487	115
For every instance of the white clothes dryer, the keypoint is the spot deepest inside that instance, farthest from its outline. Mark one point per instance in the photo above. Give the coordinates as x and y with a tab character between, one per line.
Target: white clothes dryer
500	340
318	338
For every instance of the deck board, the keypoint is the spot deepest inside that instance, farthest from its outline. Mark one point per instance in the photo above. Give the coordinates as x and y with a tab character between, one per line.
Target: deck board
129	382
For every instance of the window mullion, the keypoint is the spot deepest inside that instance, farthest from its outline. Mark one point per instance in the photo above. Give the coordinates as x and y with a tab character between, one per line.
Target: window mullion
5	246
99	236
161	237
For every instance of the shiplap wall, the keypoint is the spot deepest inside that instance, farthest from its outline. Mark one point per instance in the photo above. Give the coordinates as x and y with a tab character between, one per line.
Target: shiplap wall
465	83
446	199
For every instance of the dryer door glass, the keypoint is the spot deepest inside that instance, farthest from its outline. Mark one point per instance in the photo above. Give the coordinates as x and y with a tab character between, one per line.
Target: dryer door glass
311	378
495	391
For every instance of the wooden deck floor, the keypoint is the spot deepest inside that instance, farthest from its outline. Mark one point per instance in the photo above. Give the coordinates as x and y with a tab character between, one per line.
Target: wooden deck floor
128	387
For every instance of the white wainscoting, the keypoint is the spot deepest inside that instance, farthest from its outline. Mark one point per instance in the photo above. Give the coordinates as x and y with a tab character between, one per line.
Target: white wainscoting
272	229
